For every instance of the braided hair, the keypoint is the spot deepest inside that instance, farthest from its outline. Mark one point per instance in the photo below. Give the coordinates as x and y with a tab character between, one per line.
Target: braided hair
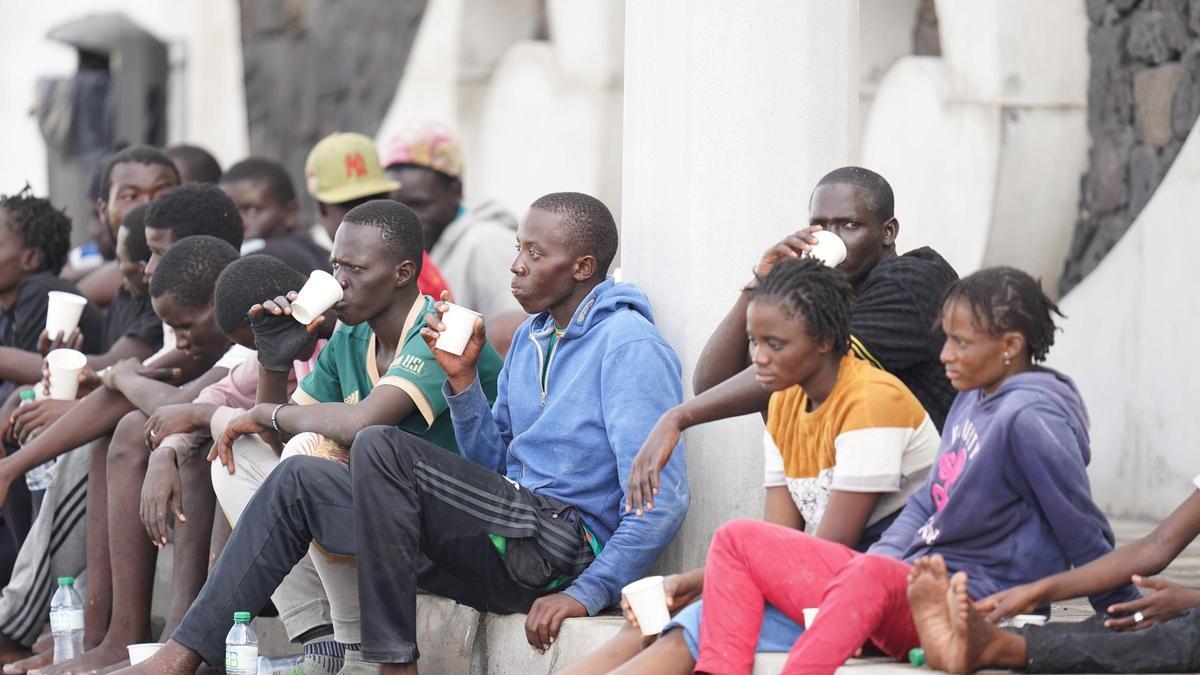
40	226
806	287
1006	299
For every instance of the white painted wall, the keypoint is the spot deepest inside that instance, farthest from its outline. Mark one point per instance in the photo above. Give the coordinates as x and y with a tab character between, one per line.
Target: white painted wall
724	139
885	34
986	144
214	108
1127	341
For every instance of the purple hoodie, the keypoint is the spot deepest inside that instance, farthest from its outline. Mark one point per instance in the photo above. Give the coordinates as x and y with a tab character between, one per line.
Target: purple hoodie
1007	499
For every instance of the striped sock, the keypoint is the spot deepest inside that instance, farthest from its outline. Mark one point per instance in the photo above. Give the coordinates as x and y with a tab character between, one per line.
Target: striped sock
322	656
354	665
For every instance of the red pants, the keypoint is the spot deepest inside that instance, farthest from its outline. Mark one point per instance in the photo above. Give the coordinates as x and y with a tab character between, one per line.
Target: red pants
863	599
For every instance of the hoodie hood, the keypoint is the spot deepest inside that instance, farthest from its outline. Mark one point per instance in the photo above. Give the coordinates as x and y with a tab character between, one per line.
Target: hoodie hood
1047	386
605	299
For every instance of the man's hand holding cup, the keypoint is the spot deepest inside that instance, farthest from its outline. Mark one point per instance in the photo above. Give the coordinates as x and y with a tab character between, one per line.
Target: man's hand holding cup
456	337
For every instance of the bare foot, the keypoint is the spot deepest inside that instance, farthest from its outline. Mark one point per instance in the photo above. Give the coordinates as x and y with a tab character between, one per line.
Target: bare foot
172	659
95	660
33	662
45	642
971	634
927	587
11	650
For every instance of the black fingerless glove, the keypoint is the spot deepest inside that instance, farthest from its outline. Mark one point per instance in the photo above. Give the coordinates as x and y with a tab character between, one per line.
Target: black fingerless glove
280	340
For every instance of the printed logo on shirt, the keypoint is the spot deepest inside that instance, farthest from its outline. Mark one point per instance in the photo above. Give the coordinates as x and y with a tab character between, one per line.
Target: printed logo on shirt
409	362
964	438
352	398
928	532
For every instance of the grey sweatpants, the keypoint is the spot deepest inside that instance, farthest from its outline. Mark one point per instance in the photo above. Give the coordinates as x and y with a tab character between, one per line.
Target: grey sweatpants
56	547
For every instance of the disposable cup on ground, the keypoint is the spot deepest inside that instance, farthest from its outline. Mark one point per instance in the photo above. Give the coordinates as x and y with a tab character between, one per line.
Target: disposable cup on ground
810	615
141	652
648	599
320	292
460	324
830	249
62	312
1023	620
64	366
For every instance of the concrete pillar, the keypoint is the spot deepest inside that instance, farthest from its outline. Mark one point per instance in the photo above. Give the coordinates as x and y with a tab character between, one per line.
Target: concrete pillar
733	111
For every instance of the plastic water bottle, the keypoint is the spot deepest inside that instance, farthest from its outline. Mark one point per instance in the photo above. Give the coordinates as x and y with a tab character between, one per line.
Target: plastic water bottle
281	665
39	477
241	647
66	621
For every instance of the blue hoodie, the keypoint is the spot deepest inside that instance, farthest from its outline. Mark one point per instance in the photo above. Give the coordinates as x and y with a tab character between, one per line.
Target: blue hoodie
610	378
1007	499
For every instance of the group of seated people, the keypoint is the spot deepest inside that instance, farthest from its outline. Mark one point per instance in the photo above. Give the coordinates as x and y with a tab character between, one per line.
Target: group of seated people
924	475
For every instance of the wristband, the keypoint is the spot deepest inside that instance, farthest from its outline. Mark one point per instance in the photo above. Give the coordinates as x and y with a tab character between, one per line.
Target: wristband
275	416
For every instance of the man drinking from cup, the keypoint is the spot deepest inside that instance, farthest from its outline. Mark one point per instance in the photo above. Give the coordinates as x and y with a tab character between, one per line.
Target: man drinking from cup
529	518
375	370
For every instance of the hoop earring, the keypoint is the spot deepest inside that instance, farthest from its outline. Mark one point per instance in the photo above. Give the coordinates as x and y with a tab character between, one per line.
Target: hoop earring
1007	361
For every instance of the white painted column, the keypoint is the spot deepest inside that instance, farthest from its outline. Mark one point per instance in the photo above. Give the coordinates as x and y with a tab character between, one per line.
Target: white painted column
733	111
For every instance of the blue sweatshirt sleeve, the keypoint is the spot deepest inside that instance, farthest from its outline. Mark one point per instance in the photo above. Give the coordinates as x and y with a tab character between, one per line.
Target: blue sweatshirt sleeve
901	534
483	434
640	381
1051	461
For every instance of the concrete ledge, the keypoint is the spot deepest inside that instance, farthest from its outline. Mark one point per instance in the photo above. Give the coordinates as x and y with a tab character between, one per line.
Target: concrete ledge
455	639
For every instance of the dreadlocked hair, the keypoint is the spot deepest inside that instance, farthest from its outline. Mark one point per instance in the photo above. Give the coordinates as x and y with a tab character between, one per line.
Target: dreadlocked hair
1006	299
805	287
40	226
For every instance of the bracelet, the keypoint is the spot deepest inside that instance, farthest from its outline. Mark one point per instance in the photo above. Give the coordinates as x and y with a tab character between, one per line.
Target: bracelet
275	416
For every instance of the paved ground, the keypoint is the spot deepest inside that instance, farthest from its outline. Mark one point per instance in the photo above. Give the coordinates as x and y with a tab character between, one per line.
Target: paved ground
1185	570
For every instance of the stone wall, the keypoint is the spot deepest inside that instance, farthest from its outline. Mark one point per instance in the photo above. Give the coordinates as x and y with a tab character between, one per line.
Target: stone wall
1143	98
313	67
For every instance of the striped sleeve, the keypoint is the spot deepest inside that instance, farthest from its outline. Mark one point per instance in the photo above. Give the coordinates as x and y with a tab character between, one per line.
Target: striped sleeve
773	472
879	428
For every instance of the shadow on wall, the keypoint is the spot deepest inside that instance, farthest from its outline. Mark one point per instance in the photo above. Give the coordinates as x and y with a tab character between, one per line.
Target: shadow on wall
1143	97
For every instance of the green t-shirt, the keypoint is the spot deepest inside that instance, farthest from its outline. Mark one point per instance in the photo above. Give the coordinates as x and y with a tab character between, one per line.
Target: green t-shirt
346	372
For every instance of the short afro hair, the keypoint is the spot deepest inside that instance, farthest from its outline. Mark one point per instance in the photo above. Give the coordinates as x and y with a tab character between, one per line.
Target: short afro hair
196	208
806	288
398	226
1006	299
194	162
587	225
279	183
189	270
134	154
135	238
879	198
248	282
41	227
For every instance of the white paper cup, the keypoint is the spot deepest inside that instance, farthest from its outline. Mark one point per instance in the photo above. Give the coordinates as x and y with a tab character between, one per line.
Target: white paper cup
320	293
141	652
648	600
64	366
810	615
830	248
62	312
460	324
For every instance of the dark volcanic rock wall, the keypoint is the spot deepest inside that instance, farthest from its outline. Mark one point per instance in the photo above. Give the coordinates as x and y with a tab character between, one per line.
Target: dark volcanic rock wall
1143	97
313	67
